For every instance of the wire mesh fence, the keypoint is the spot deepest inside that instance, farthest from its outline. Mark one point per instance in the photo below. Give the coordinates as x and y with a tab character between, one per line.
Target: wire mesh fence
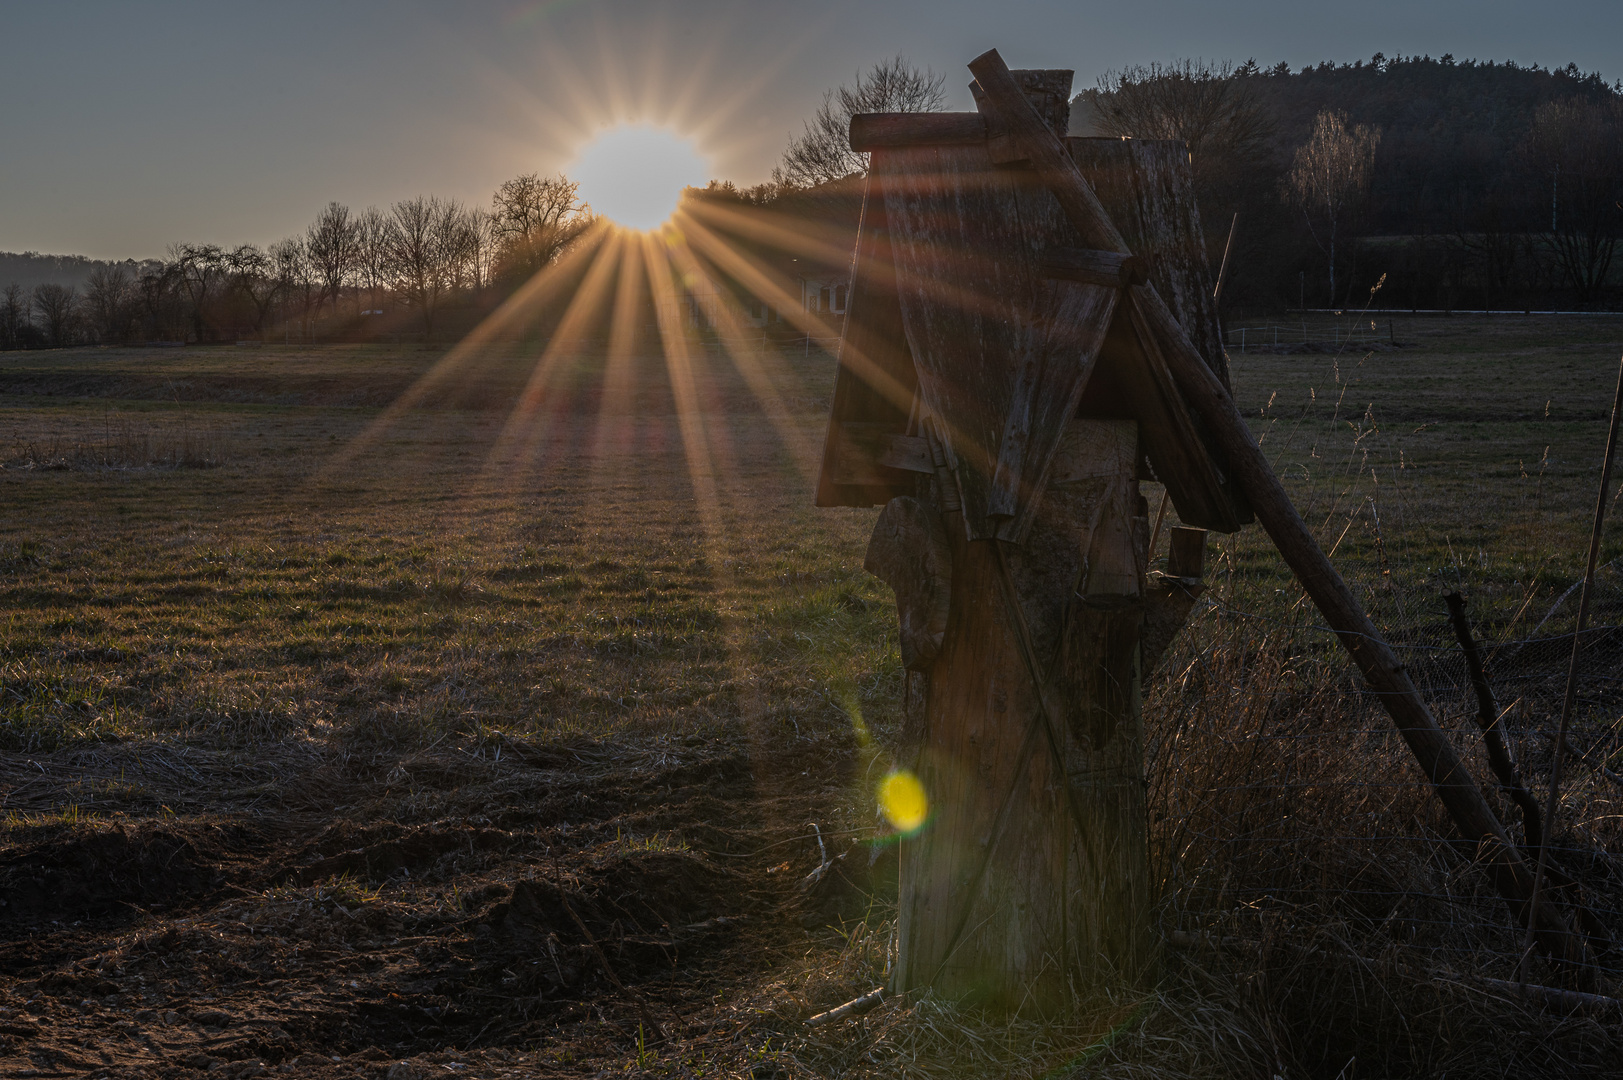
1315	338
1285	805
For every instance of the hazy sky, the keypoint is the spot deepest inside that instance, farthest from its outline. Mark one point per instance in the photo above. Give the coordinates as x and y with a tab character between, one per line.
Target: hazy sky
126	126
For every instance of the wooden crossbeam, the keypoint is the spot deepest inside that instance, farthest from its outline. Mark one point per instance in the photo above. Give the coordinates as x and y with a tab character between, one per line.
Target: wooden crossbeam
886	131
1113	268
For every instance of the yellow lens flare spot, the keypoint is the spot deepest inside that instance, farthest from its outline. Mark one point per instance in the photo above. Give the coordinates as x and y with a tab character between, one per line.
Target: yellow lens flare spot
634	174
903	802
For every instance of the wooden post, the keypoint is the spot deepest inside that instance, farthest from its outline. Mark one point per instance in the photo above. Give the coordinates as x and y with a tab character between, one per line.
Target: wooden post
1031	879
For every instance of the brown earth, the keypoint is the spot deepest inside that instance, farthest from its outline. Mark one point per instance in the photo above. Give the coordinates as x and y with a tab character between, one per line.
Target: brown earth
575	897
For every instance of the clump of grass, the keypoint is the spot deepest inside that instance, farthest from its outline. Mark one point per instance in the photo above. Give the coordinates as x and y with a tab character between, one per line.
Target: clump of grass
631	844
42	710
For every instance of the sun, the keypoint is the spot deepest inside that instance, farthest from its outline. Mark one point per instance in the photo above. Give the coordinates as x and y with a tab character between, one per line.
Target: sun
634	174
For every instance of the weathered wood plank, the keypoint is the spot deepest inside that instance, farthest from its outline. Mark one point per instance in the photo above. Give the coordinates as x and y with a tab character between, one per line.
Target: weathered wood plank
910	453
870	455
1186	552
966	296
1147	188
1049	92
1004	352
874	381
1094	448
888	131
1167	433
1094	267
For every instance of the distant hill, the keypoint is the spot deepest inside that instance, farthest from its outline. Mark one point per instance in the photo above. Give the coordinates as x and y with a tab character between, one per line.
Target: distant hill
1453	164
1448	129
31	268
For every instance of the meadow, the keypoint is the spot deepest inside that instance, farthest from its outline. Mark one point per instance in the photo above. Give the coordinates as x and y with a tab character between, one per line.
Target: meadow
361	705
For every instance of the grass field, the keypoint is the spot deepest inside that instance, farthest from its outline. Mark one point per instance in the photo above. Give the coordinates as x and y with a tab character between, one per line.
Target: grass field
343	726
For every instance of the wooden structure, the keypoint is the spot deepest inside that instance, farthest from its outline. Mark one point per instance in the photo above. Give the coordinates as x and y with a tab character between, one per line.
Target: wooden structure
1010	368
996	394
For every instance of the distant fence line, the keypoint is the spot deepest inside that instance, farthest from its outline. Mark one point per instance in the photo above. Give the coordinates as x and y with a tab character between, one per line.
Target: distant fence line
1275	335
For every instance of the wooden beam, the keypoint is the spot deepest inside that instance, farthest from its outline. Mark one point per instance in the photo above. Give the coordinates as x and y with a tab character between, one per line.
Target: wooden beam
1110	268
882	131
875	381
864	452
1439	761
1186	554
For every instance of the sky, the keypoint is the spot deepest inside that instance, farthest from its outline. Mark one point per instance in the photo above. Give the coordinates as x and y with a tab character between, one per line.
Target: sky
128	126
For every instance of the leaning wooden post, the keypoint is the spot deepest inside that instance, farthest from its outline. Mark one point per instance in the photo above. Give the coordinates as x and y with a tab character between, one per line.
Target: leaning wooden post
1438	760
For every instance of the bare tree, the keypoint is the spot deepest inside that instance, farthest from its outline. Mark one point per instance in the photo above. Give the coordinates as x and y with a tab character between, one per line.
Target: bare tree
1330	175
298	281
1575	148
198	270
534	218
481	244
14	306
376	244
161	298
454	240
57	306
823	151
333	245
111	302
248	273
419	254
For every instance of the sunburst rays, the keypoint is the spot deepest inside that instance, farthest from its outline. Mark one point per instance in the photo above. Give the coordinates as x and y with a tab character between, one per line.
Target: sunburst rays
629	325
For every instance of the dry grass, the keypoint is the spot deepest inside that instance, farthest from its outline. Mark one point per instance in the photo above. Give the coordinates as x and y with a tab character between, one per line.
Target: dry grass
397	619
122	442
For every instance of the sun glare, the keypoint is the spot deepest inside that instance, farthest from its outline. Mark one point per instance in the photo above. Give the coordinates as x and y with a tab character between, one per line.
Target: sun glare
634	174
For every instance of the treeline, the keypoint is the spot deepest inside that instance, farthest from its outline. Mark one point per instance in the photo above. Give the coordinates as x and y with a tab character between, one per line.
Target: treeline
350	275
1464	184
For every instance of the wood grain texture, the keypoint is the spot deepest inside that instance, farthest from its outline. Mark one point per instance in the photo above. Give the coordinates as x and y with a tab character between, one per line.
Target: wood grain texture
870	455
1049	92
1186	552
1032	876
1095	267
1004	353
874	382
884	131
1176	448
908	551
1146	186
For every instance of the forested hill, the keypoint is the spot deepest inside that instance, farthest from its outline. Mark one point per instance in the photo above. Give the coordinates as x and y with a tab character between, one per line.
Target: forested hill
1449	130
31	268
1466	183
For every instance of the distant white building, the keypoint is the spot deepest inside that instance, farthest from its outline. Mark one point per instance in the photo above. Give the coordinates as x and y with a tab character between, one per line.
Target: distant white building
824	294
